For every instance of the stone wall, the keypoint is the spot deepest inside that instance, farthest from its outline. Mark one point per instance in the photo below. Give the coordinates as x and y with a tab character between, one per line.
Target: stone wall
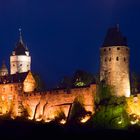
48	105
114	69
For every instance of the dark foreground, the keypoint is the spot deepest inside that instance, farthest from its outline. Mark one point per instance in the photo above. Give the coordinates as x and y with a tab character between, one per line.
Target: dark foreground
10	129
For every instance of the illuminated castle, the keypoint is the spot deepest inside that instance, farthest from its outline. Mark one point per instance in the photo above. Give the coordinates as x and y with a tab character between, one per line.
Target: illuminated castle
18	89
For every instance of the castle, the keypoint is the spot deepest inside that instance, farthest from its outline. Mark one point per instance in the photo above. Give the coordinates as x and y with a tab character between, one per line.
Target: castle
18	89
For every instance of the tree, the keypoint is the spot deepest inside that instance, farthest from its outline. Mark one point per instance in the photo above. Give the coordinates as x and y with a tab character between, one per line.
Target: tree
112	114
104	92
66	82
82	78
40	84
134	80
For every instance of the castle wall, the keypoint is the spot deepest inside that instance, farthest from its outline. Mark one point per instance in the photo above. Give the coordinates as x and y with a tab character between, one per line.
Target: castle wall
114	69
9	97
50	104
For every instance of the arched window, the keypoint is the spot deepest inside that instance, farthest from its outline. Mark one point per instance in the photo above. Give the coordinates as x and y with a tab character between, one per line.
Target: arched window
110	59
105	59
109	49
104	50
118	48
117	58
124	59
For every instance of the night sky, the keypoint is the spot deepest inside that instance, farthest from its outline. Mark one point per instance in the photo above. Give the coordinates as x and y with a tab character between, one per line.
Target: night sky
65	35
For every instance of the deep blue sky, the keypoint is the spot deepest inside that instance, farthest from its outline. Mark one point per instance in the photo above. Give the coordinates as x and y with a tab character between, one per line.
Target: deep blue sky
65	35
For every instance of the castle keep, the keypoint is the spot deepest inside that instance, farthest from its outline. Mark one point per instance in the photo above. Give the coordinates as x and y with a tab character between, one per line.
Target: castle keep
18	92
114	62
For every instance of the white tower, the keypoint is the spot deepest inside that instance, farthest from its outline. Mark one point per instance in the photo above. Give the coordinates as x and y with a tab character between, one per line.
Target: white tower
20	60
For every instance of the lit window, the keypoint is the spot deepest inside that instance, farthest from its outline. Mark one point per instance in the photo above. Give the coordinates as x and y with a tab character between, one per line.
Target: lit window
10	97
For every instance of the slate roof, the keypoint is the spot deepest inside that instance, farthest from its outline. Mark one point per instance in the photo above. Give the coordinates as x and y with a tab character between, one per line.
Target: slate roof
20	49
114	37
13	78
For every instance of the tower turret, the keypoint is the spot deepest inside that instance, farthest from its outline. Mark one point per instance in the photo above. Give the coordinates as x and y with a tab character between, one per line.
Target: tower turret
20	60
3	70
114	62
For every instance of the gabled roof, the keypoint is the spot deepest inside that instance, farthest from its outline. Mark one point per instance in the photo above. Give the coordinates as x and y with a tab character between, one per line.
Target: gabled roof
114	37
13	78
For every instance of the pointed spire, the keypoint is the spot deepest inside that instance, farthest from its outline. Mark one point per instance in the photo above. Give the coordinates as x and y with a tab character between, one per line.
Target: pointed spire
20	36
3	70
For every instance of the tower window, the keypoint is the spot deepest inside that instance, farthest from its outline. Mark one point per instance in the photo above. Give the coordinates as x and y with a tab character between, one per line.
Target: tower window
20	64
104	50
105	59
13	65
117	58
118	48
124	59
109	49
110	59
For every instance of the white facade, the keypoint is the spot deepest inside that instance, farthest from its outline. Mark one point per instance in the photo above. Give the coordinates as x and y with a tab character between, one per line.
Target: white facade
20	63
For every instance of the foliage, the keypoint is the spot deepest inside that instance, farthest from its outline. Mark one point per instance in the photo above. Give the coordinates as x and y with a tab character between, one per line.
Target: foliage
111	114
40	84
82	78
78	79
77	112
66	82
103	93
134	79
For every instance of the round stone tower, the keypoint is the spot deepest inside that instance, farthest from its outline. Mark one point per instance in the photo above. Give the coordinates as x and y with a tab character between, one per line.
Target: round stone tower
20	60
114	62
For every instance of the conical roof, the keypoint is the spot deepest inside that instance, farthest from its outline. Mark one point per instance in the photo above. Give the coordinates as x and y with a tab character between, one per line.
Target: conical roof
4	69
114	37
20	48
